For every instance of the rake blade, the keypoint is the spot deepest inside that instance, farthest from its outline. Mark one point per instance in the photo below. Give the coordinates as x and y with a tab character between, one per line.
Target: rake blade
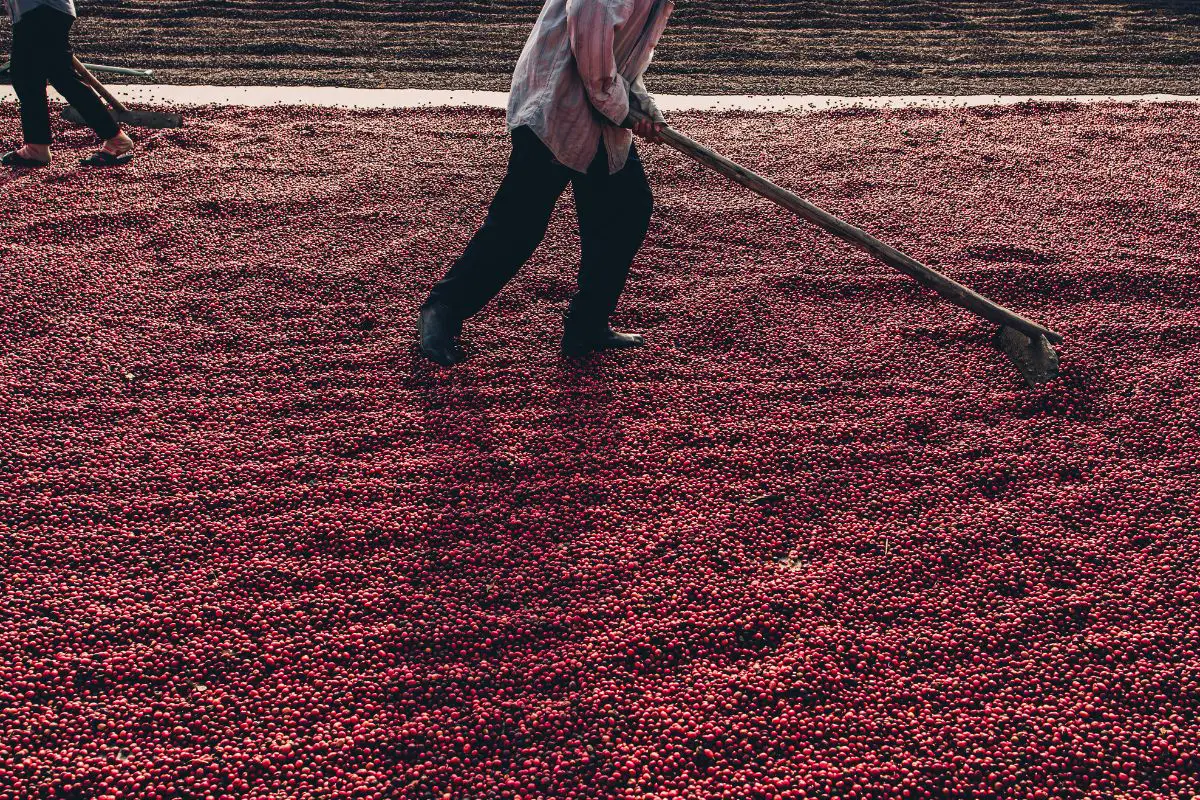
138	119
1036	358
150	119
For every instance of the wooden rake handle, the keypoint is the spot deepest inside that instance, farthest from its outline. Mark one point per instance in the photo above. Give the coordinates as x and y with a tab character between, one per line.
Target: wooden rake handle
948	288
94	82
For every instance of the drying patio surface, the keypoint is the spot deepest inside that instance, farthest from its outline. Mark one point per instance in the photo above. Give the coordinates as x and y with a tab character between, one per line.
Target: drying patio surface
843	47
816	540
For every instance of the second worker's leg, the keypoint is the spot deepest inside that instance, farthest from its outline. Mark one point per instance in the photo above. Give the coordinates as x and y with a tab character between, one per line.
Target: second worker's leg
60	71
29	82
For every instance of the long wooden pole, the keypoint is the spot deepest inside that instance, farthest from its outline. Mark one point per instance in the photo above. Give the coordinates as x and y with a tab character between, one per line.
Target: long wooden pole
141	73
948	288
95	83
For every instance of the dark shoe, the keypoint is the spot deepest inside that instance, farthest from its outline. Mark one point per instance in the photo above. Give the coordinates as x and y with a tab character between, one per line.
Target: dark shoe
579	343
438	328
103	158
11	159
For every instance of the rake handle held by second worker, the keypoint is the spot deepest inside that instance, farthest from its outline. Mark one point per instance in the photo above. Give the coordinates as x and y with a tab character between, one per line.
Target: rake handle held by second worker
95	83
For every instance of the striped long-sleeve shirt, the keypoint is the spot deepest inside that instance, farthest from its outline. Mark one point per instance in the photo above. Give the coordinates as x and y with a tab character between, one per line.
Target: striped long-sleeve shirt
579	66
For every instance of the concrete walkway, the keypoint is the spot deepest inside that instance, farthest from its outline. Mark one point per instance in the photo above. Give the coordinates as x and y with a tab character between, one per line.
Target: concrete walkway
340	97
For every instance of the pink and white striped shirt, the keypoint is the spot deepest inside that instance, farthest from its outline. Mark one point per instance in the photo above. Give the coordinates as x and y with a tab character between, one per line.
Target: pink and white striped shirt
578	68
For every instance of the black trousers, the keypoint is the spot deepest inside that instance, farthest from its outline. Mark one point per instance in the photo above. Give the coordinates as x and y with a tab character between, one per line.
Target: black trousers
614	215
41	52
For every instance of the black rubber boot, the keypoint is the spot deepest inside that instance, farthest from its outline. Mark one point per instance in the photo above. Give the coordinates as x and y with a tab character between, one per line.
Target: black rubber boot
438	330
579	342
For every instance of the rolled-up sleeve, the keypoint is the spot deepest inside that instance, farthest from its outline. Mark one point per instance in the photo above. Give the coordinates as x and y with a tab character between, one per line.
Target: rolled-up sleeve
641	99
591	27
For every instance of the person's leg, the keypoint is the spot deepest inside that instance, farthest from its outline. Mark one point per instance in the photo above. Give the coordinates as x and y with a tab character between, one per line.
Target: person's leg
60	71
614	216
29	82
515	225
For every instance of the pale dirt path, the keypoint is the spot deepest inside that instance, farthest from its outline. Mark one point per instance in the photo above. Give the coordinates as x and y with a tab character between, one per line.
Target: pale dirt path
146	95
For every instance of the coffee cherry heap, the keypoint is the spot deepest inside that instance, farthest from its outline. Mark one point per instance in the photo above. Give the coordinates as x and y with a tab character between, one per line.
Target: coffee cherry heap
817	540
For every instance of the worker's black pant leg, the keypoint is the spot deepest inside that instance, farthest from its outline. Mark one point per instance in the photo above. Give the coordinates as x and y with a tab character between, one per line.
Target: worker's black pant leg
28	71
515	225
614	215
41	52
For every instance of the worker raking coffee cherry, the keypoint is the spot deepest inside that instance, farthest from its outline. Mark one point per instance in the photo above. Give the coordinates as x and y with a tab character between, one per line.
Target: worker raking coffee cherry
577	81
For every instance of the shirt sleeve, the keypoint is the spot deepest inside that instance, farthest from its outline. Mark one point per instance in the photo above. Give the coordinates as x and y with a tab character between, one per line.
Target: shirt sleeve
592	27
640	98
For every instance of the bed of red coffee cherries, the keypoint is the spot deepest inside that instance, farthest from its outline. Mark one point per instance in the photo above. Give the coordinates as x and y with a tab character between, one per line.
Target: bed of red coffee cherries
817	540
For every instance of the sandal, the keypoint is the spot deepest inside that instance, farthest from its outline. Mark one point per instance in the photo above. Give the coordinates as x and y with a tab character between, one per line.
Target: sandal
103	158
13	159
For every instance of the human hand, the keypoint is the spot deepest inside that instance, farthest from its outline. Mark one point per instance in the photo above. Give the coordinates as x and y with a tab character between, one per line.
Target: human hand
649	130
